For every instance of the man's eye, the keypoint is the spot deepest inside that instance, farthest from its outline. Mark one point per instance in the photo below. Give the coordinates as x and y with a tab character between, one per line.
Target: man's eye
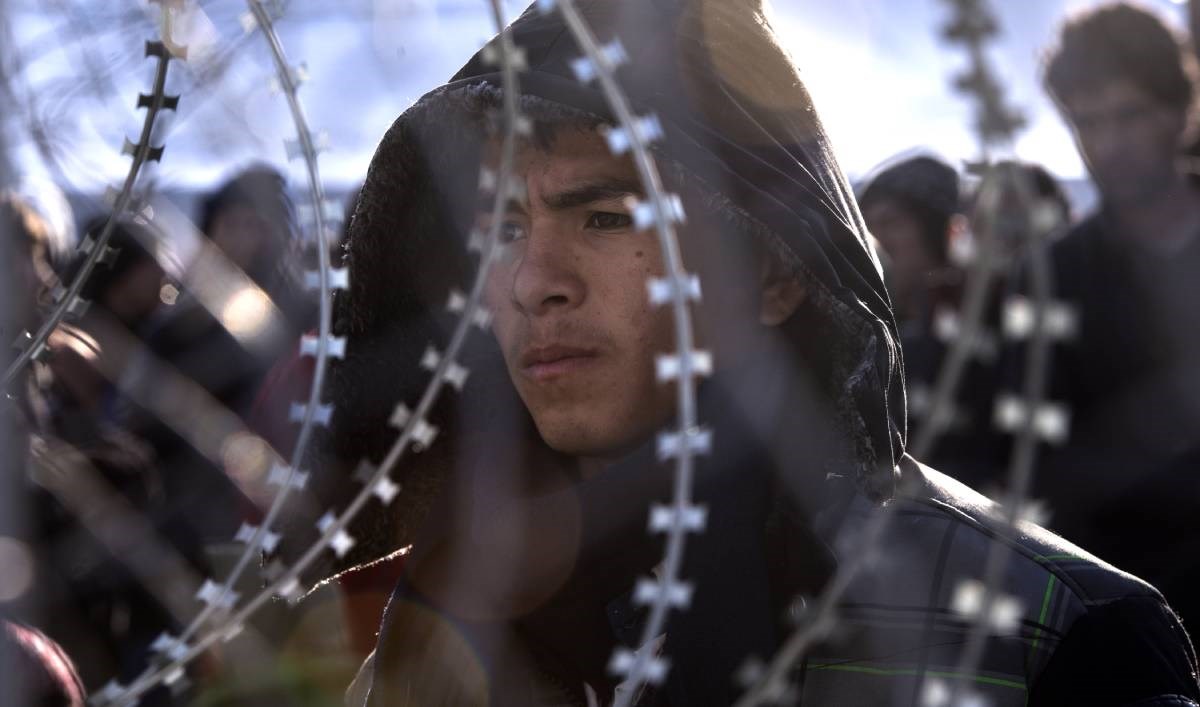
607	221
511	231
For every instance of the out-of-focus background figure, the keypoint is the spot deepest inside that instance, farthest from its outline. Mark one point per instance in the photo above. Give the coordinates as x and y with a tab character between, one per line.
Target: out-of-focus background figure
104	615
916	208
238	310
250	224
1125	483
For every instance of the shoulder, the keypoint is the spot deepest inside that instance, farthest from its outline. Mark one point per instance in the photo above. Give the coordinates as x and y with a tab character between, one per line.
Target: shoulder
1078	618
1036	556
910	609
1131	651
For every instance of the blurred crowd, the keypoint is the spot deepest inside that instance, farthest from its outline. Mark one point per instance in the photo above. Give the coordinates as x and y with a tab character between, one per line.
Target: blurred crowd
140	429
144	437
1121	412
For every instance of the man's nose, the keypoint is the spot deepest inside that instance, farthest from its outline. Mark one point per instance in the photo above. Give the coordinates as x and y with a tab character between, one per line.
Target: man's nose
548	275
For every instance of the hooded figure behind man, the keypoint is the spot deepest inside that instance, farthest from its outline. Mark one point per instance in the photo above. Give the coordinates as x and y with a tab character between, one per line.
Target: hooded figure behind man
525	550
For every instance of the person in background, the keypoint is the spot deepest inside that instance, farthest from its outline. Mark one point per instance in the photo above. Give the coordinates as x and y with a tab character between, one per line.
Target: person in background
915	207
96	606
1124	483
30	672
238	311
223	340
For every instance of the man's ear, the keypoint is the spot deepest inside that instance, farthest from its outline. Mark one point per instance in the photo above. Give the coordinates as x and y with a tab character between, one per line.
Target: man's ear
782	293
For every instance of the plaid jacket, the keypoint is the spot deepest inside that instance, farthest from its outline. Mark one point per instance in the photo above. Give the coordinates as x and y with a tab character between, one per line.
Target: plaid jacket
1080	631
1077	631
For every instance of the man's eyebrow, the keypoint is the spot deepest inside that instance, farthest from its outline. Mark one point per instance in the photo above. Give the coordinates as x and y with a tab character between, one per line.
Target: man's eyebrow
606	189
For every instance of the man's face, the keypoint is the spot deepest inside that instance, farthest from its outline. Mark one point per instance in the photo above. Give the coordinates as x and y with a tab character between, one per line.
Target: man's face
899	232
1128	139
239	231
570	305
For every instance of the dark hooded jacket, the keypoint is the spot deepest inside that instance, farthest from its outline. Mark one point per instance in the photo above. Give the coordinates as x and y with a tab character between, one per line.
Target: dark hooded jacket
809	441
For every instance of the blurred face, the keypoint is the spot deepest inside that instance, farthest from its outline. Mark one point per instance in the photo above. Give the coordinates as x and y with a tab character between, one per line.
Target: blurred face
570	304
240	233
136	295
898	231
1128	140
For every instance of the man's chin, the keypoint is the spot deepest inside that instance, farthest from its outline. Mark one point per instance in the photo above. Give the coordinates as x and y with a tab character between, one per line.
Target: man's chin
576	447
586	444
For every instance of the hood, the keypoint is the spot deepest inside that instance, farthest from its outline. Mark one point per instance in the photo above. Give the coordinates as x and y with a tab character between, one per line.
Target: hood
736	117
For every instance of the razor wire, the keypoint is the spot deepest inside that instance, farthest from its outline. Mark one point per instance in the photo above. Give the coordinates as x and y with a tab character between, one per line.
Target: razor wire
219	597
981	600
995	122
1029	417
321	347
93	60
68	303
678	289
99	80
416	432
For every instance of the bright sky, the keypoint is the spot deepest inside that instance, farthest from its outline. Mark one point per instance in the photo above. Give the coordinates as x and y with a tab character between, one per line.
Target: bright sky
877	69
890	88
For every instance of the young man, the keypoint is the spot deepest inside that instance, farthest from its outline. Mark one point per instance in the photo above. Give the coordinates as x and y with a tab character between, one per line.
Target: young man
1124	484
528	514
914	208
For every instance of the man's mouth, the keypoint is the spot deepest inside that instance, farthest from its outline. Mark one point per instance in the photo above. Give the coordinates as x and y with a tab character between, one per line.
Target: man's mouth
545	363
